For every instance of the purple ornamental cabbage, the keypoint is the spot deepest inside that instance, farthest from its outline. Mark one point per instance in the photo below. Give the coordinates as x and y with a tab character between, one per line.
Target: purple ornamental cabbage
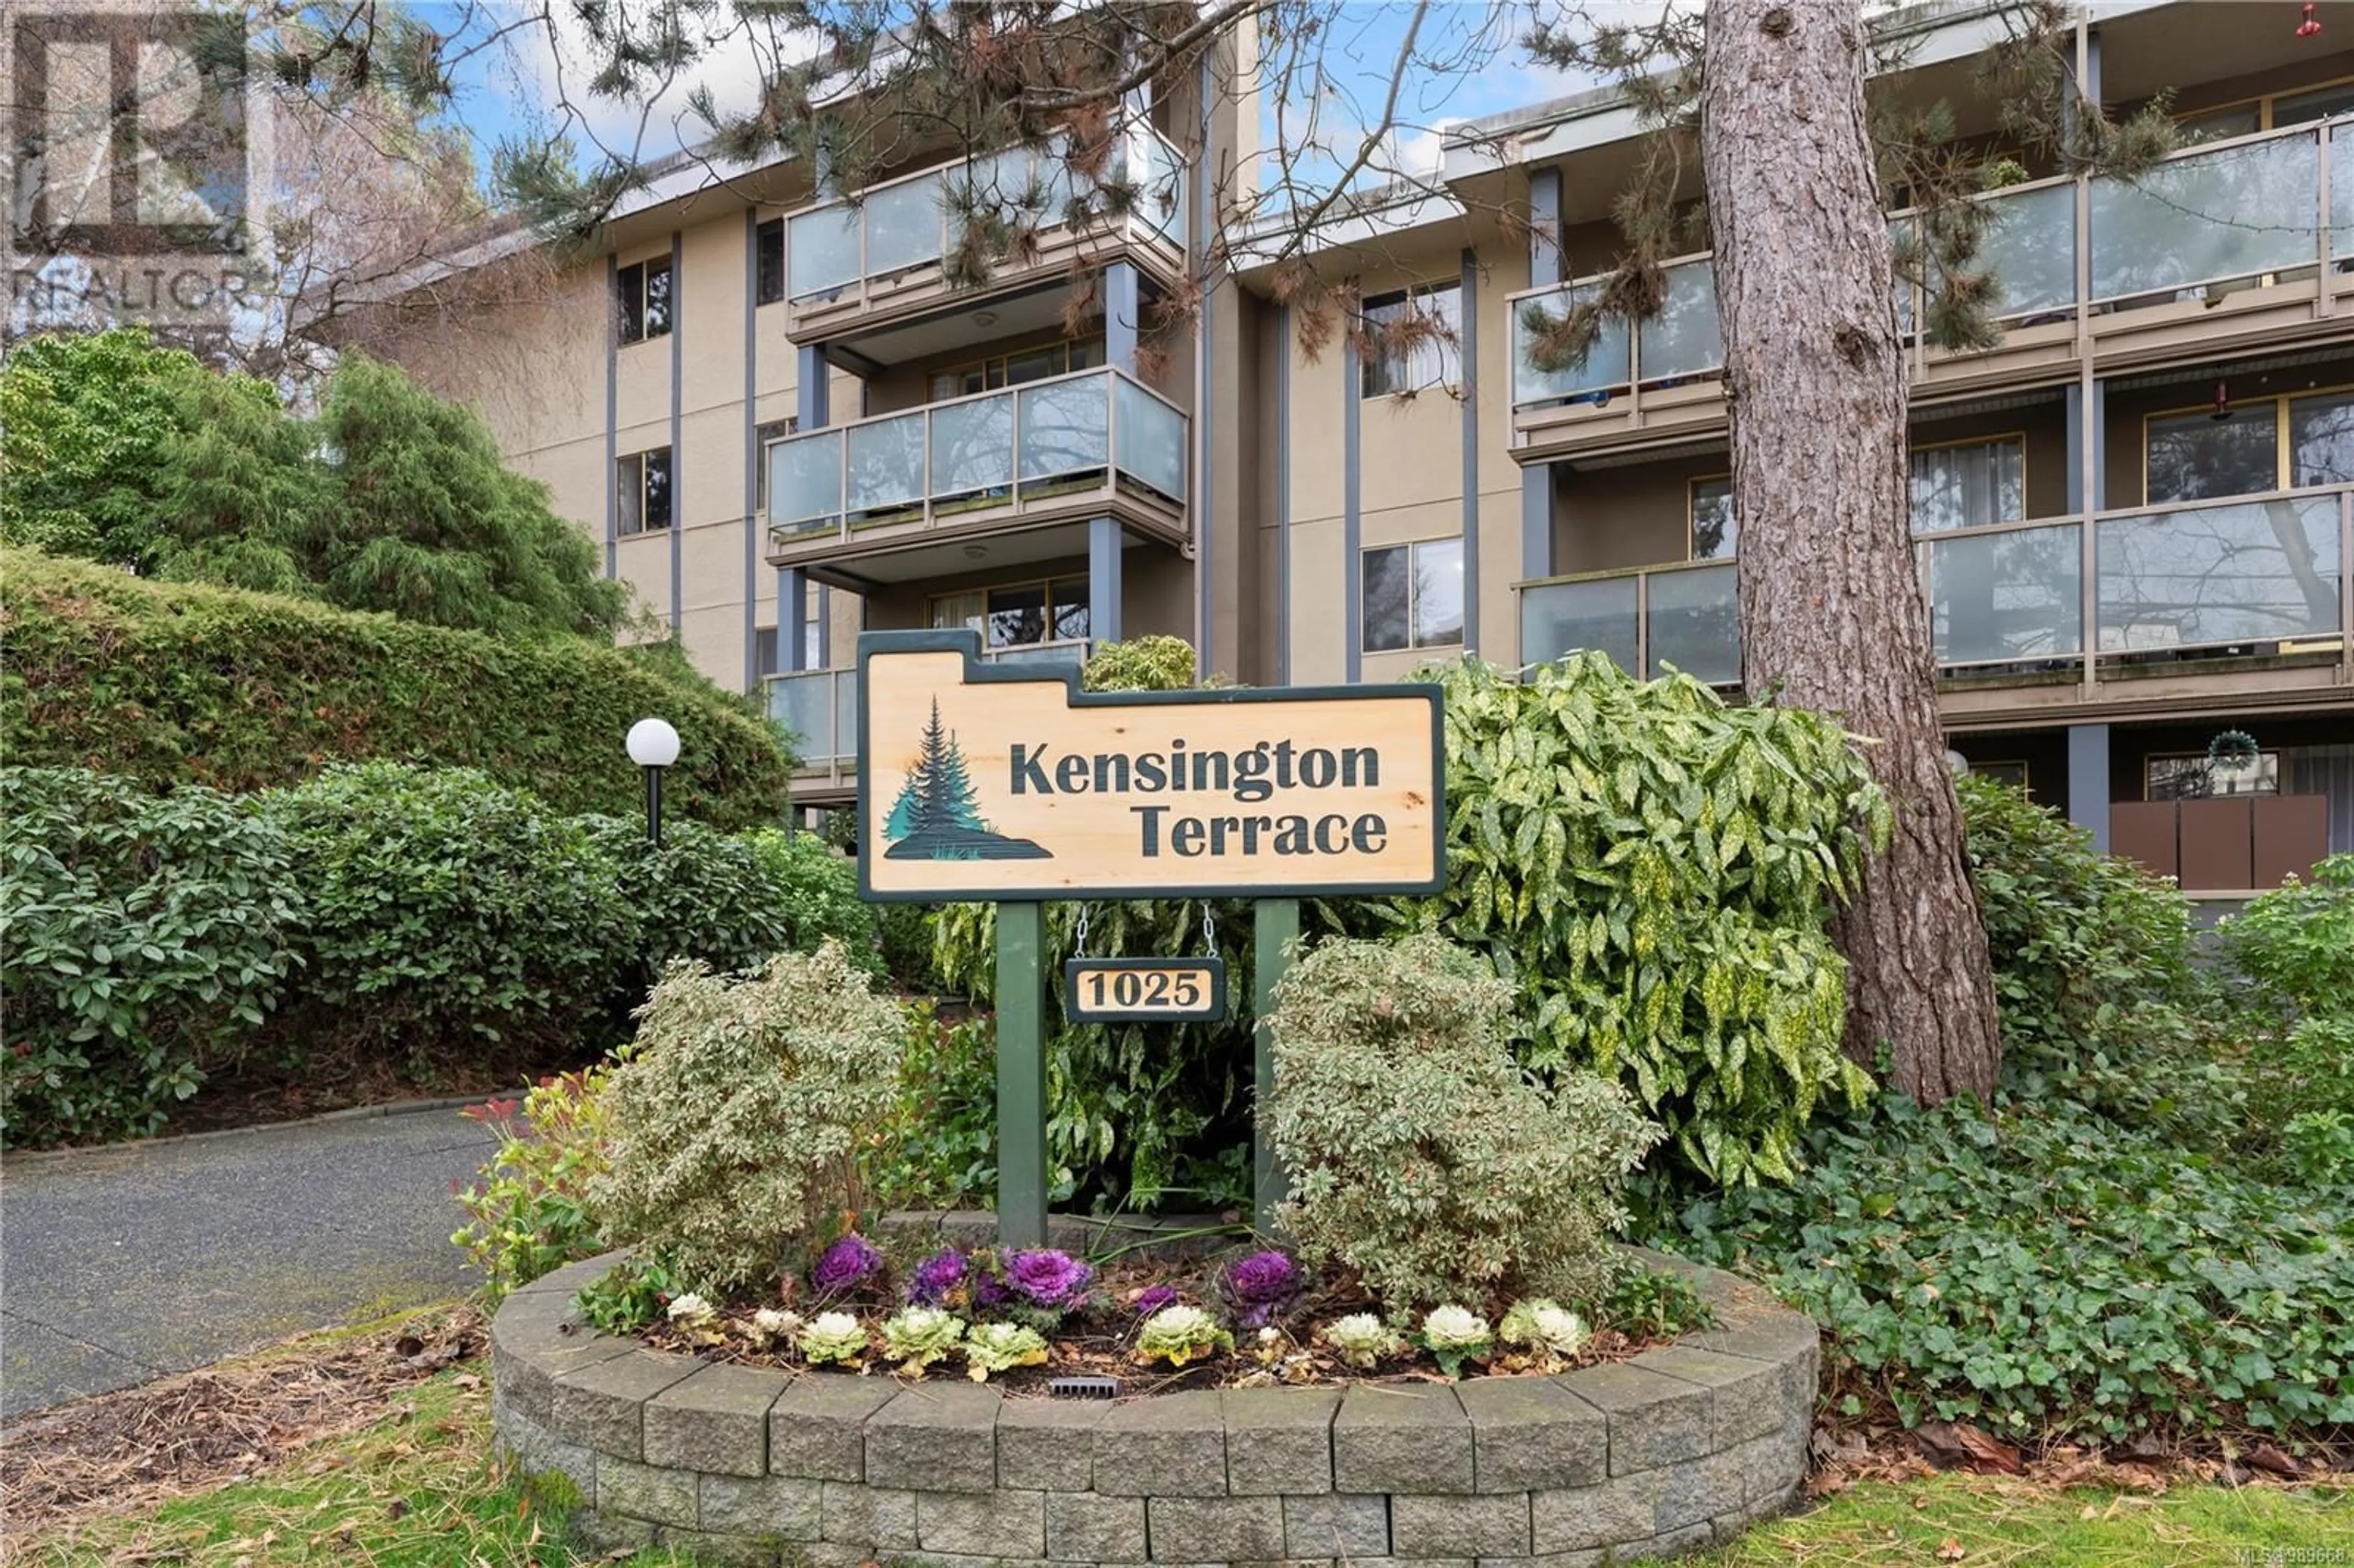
849	1262
1262	1286
1047	1277
1152	1298
937	1277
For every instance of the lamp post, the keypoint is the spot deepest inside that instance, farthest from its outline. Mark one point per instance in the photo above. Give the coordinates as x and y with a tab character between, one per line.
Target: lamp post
653	746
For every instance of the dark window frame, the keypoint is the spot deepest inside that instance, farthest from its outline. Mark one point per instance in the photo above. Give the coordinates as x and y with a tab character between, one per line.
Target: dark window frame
647	299
634	495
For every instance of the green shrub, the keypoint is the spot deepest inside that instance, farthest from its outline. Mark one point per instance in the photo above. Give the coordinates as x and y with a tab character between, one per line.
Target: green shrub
1420	1156
527	1209
141	939
817	891
2296	942
904	933
736	1125
176	685
1651	871
2045	1270
938	1147
447	912
2099	1001
1141	665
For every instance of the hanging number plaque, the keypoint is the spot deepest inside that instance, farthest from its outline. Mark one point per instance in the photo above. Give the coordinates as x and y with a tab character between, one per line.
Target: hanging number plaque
1127	991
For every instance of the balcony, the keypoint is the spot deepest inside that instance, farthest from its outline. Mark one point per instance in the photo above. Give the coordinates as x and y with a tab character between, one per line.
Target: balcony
2172	264
877	259
2253	583
821	708
893	491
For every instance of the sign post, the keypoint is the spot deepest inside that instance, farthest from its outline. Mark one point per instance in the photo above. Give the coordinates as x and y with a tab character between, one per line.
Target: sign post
1008	784
1021	1075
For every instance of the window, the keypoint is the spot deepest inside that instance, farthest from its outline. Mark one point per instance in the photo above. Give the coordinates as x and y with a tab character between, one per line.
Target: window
774	430
1413	596
1013	369
1968	484
641	492
2197	456
1714	529
766	645
1411	338
2190	778
645	289
1014	615
764	651
2011	773
768	262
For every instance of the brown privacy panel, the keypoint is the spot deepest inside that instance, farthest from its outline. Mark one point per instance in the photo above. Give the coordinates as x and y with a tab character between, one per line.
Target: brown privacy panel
2144	830
2216	844
2292	831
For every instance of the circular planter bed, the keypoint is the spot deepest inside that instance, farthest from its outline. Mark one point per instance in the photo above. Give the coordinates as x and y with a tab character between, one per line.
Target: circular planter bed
1666	1451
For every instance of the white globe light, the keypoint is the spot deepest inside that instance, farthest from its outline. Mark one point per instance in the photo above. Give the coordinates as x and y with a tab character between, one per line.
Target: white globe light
1955	763
653	743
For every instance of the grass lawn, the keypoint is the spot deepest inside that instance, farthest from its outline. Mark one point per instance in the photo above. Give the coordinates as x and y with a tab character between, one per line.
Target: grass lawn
414	1488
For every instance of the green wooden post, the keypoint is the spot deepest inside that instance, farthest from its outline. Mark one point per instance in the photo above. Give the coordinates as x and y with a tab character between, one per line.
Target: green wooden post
1021	1075
1274	925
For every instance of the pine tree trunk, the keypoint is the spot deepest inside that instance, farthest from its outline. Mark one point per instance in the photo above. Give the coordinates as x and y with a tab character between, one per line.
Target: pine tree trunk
1831	609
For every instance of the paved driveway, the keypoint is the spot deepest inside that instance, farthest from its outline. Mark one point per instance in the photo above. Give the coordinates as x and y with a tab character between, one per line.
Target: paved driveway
120	1265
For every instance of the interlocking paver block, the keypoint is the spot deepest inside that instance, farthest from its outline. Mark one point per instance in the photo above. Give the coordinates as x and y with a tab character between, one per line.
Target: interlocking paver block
1531	1433
935	1437
603	1406
715	1421
1412	1437
817	1427
1655	1419
1173	1444
1278	1440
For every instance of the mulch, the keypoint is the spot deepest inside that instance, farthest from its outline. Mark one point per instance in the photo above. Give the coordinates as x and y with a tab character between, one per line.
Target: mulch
139	1447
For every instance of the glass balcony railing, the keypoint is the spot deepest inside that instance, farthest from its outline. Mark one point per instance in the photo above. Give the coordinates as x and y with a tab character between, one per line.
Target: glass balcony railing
904	225
1091	430
1684	616
2245	574
821	708
1072	651
2209	217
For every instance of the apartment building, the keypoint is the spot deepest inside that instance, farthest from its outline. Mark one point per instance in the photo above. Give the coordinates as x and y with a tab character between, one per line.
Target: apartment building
2134	516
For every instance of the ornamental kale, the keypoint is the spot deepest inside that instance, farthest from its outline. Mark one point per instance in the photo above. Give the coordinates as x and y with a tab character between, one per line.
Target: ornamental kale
847	1264
938	1278
1152	1298
1262	1288
1181	1334
1047	1277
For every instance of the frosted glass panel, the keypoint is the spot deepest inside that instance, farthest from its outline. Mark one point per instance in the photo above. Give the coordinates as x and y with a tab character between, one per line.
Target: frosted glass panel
1696	623
1564	617
972	445
2031	247
2245	572
903	226
1683	338
1995	598
1604	364
2341	190
1151	437
821	247
805	481
2206	217
804	705
1065	428
887	463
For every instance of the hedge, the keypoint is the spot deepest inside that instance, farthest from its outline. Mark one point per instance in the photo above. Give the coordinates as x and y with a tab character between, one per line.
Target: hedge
176	683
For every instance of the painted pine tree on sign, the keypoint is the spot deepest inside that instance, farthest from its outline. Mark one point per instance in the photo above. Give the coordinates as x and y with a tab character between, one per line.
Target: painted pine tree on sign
938	814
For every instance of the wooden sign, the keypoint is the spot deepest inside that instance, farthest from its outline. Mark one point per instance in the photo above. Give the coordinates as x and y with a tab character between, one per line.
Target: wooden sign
1125	990
1007	782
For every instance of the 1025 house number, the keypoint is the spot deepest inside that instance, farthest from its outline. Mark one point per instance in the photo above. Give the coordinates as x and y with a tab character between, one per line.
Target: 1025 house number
1175	990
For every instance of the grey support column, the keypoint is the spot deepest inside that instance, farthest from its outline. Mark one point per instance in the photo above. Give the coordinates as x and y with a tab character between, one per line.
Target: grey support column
612	413
1469	313
2088	780
814	401
1104	580
753	456
1353	564
1545	229
1536	523
677	430
1204	508
1122	312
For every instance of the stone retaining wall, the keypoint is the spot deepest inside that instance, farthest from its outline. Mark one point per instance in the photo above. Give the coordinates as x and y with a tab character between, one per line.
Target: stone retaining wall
1666	1453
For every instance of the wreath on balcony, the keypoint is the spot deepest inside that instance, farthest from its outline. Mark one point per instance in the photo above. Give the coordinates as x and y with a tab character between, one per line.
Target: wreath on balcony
2232	753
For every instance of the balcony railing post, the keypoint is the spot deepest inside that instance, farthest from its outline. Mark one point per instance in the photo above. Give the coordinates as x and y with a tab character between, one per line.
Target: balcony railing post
2088	614
2346	586
2324	279
931	490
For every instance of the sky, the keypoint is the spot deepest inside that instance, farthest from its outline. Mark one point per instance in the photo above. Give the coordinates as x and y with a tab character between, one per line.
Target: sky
1469	65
